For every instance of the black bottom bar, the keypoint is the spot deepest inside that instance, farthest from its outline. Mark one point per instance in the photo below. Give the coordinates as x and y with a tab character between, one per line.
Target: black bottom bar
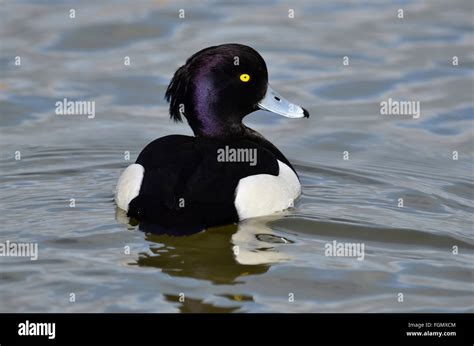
292	329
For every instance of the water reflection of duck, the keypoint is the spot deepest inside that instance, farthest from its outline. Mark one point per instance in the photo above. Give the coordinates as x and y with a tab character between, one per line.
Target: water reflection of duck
223	255
206	256
180	179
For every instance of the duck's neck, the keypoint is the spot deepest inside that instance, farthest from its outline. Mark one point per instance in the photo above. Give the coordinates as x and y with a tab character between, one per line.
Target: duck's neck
214	129
216	122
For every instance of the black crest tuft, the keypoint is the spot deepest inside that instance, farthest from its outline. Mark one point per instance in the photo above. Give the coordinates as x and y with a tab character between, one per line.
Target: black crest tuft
178	89
176	93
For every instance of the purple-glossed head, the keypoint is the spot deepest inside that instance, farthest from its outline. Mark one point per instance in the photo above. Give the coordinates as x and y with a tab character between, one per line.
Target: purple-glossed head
218	86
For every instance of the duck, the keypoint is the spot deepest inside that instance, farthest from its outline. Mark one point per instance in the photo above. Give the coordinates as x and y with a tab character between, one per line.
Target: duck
225	173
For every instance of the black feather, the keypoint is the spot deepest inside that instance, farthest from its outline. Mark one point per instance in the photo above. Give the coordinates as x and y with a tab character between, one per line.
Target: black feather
176	93
178	89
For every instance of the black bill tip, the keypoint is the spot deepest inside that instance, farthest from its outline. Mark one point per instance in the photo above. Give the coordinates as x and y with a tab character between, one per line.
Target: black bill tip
305	112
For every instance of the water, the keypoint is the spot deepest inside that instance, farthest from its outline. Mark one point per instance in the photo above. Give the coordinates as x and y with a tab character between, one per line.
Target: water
408	250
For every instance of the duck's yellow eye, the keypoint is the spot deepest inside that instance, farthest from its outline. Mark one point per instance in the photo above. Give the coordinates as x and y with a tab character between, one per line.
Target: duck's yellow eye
244	77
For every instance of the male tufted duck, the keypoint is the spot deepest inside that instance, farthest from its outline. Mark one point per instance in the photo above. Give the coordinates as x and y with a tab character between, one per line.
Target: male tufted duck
227	172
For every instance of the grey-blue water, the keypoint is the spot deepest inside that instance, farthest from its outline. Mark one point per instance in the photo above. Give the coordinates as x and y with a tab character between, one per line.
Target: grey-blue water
355	163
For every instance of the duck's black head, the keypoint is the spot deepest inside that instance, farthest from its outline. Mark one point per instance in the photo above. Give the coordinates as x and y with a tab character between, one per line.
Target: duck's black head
218	86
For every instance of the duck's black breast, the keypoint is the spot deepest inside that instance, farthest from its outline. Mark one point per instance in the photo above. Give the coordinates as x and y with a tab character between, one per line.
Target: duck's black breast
185	182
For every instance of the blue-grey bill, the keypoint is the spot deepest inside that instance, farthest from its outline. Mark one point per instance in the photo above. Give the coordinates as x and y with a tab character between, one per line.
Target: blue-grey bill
275	103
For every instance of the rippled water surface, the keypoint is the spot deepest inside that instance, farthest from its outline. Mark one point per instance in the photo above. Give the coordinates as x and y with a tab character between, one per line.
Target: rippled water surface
408	250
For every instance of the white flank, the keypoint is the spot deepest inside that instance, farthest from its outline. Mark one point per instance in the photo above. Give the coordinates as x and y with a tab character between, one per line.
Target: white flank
128	185
264	194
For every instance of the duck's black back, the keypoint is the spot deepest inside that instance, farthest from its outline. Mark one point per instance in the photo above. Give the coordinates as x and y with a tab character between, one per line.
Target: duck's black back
185	185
